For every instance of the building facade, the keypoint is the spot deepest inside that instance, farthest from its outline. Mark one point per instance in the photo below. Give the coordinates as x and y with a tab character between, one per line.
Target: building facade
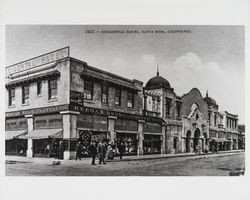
53	101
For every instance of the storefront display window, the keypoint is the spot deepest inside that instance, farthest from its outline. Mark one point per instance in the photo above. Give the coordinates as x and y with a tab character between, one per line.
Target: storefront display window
152	144
129	141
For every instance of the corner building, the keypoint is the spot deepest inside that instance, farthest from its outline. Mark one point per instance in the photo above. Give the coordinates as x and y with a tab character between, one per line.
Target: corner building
54	100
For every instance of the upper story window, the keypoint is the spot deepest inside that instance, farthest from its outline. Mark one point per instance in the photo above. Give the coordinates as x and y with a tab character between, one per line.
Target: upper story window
25	94
209	118
88	90
130	100
52	88
104	93
178	108
215	119
168	106
11	96
118	93
39	88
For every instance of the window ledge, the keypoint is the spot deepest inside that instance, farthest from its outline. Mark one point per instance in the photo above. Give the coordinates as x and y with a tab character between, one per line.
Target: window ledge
12	106
39	95
25	104
88	101
53	99
131	108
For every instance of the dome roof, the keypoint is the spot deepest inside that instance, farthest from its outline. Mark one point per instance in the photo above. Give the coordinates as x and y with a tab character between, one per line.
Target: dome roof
210	101
158	82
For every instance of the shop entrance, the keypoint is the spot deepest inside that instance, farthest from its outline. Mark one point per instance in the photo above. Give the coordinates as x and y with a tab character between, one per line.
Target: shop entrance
188	141
47	148
17	147
196	138
87	136
152	144
130	142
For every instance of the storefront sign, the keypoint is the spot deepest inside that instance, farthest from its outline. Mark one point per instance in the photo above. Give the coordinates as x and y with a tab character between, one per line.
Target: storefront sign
38	61
36	111
48	121
96	137
16	124
101	112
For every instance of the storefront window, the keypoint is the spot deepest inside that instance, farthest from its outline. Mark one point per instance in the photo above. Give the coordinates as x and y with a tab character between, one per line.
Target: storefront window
130	102
152	144
129	141
104	94
88	90
168	106
25	94
178	109
117	97
11	96
52	88
39	88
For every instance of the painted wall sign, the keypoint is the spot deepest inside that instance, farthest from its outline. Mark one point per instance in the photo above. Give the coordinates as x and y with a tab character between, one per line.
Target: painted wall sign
36	111
38	61
96	111
76	97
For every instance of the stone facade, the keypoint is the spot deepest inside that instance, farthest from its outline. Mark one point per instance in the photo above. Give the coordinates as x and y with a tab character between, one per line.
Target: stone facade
58	100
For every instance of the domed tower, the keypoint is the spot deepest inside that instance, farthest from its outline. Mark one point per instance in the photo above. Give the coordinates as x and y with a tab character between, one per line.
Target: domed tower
160	99
158	82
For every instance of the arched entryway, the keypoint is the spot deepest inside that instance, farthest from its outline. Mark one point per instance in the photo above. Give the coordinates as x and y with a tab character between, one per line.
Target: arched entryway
188	141
196	138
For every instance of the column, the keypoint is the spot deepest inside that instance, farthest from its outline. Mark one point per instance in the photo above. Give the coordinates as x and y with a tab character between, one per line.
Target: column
231	145
69	133
163	142
140	137
111	128
30	123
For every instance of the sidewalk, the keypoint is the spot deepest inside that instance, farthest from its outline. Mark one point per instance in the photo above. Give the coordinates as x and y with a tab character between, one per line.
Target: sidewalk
49	161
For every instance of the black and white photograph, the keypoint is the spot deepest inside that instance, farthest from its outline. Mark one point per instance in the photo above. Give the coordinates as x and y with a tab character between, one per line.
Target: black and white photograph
135	99
124	100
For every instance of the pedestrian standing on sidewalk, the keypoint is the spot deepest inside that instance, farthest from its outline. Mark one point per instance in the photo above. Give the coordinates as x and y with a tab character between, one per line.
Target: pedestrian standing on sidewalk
61	150
101	152
93	152
121	149
79	148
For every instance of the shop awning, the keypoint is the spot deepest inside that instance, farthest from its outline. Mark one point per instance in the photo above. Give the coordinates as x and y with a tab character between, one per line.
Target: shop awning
146	133
215	139
9	135
225	140
43	134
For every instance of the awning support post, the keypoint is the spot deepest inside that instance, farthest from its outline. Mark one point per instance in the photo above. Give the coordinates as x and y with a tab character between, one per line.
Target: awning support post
30	141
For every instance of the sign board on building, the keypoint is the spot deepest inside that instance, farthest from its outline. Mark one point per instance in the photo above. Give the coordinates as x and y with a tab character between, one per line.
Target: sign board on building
38	61
35	111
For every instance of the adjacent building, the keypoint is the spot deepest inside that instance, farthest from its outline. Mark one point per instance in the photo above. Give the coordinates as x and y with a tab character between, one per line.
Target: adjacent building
53	101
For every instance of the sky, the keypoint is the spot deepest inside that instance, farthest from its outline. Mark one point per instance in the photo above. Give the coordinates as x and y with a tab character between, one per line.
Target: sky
206	57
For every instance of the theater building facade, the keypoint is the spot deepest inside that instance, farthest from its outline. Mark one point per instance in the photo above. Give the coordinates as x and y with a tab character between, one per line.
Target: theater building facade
54	101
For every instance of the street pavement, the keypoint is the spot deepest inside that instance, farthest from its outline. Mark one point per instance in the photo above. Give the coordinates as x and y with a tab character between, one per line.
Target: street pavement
219	164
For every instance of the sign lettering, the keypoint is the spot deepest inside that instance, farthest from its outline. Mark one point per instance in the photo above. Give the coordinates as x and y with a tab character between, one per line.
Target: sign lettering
38	61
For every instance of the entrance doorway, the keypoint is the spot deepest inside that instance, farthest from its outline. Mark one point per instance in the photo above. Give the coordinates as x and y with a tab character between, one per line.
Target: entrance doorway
196	138
188	140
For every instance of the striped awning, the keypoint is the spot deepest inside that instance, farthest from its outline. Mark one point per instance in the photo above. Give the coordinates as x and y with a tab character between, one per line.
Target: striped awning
44	134
9	135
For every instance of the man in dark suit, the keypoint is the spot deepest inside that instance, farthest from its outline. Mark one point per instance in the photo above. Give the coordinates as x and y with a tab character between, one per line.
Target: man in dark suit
93	152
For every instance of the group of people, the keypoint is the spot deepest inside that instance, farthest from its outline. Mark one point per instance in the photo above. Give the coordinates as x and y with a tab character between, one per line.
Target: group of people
101	150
